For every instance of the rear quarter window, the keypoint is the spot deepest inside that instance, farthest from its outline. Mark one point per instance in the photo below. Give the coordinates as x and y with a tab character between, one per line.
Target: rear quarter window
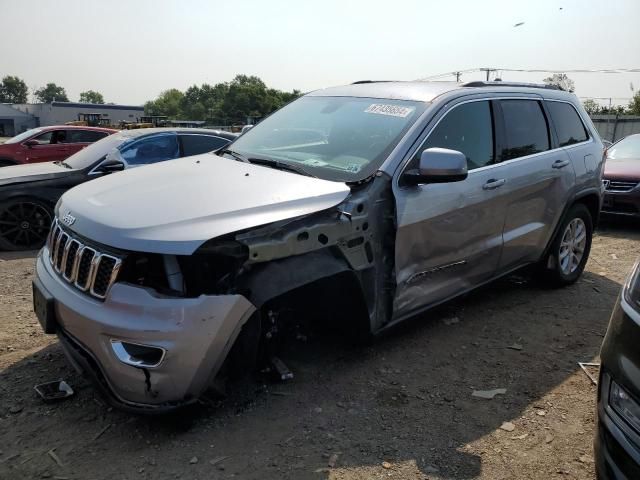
567	122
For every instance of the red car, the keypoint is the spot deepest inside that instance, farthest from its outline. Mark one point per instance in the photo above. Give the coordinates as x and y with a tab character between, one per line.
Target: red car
48	144
621	178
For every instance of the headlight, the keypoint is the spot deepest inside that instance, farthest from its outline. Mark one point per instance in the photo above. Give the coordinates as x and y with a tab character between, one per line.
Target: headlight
624	405
631	289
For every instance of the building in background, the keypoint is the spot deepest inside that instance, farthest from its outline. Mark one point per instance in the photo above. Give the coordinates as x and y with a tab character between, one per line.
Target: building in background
14	121
18	117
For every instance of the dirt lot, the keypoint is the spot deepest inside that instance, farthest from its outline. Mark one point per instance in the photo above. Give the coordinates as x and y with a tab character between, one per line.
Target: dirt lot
401	408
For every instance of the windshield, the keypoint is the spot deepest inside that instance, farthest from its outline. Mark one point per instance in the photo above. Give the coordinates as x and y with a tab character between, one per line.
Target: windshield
96	151
335	138
24	135
626	148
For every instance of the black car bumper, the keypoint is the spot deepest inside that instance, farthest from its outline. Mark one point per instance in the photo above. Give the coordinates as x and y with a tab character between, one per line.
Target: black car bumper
622	203
617	443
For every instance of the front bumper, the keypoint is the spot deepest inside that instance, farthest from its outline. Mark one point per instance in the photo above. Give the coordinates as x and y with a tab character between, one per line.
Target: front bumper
195	334
622	203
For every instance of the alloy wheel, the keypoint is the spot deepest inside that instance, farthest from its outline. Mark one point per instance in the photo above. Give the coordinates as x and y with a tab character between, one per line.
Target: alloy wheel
24	225
574	240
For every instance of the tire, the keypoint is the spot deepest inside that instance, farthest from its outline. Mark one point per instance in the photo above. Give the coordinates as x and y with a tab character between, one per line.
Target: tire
6	163
24	224
569	251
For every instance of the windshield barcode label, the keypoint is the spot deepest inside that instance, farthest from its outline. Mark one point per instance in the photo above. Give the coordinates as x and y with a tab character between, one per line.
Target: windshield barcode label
391	110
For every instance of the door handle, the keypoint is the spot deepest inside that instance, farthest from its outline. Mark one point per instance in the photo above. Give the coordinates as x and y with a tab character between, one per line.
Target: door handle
493	184
560	163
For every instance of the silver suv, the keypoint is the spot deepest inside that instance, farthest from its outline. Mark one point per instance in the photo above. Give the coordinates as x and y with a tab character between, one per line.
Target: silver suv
367	203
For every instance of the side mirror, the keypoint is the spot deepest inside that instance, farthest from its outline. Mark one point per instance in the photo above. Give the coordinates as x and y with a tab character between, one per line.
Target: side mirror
111	166
31	143
438	165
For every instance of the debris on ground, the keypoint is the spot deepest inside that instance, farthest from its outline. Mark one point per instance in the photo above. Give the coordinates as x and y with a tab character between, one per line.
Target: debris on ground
584	365
333	460
101	432
549	438
193	460
215	461
386	465
15	409
515	346
55	457
54	391
488	394
507	427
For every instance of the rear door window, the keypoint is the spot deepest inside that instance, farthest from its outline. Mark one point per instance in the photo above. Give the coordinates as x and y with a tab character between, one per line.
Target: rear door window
152	149
467	128
197	144
567	122
526	128
84	136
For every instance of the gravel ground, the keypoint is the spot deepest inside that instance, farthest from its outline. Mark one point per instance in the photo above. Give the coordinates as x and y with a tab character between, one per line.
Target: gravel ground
401	408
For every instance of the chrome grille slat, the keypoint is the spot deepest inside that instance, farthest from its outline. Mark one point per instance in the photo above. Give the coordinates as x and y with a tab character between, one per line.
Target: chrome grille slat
619	186
84	267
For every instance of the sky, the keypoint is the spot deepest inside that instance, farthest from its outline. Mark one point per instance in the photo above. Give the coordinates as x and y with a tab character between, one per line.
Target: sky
131	50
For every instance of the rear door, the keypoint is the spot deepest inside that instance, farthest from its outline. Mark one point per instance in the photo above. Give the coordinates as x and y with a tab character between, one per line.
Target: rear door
449	235
51	147
539	179
76	140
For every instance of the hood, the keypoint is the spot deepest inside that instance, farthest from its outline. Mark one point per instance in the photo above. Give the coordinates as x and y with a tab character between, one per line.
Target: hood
174	207
622	169
31	172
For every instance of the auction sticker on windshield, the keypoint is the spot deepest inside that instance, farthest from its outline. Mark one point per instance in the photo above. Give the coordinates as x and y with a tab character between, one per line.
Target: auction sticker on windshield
391	110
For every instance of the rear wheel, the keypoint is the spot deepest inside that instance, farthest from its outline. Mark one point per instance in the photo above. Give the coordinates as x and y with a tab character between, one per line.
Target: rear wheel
6	163
24	224
570	249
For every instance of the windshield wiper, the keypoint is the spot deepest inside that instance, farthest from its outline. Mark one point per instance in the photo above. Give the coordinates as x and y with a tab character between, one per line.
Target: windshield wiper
281	166
268	162
236	155
63	164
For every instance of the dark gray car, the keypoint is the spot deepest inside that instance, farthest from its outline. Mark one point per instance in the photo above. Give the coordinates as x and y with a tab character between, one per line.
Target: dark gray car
364	204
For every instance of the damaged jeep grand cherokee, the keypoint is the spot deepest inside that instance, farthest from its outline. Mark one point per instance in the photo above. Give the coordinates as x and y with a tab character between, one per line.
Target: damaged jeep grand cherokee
367	203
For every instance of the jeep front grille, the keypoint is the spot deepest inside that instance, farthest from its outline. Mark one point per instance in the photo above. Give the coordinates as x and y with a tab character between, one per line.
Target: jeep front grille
88	269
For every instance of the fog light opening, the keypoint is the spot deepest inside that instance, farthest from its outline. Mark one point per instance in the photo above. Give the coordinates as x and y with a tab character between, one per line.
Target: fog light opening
137	355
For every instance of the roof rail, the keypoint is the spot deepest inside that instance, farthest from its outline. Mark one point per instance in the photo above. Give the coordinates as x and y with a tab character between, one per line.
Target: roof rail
371	81
480	83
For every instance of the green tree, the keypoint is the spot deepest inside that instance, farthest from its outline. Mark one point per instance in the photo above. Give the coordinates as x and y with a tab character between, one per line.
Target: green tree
91	96
223	103
560	80
13	90
634	105
51	93
168	103
591	106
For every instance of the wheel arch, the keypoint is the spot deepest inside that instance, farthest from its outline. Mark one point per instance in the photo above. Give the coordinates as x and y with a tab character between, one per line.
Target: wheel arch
317	274
591	200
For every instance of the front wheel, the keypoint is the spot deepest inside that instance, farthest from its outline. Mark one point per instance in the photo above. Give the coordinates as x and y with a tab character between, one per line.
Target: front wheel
24	224
570	249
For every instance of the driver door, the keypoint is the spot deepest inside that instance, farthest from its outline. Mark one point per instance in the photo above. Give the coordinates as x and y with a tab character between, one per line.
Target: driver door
51	147
449	235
